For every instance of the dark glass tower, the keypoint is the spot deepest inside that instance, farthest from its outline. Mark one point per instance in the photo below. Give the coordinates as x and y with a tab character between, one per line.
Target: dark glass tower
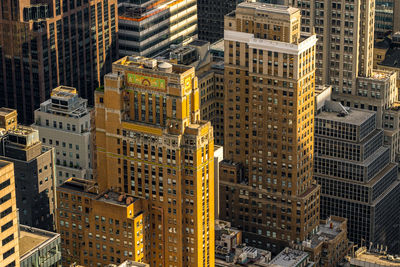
46	43
211	18
357	179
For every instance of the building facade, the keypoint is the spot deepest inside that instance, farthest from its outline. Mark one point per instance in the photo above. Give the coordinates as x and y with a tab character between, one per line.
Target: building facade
345	42
211	18
39	248
358	180
107	227
44	44
34	167
153	146
149	27
210	73
64	122
266	184
9	249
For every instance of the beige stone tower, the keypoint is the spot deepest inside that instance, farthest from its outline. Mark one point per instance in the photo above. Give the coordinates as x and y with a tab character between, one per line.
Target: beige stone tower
266	183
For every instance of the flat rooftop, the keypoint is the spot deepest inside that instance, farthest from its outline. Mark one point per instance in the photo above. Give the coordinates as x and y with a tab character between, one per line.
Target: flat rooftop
218	45
143	63
79	185
354	117
326	232
129	263
32	238
23	130
198	42
289	257
270	8
6	111
89	188
117	198
380	75
64	92
4	163
363	256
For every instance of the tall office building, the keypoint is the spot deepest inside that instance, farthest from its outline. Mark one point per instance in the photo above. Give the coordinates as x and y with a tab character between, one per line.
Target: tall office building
149	27
266	184
357	179
345	40
46	43
64	122
34	171
345	45
9	249
387	17
211	18
153	149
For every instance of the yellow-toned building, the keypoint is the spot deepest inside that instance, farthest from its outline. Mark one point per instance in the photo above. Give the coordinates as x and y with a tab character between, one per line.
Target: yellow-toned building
100	227
9	248
152	144
8	119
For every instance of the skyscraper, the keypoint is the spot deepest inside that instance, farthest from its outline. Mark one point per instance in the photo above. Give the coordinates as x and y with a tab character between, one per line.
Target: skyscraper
357	179
9	249
149	27
345	31
345	44
211	18
45	43
64	122
34	167
154	149
266	184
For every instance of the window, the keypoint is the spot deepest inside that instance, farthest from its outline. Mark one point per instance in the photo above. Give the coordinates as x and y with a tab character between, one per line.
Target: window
7	239
6	226
8	253
5	198
5	212
5	184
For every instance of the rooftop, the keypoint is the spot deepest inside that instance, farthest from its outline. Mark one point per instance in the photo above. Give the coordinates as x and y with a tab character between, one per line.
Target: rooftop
218	45
380	75
392	58
362	256
4	163
198	42
289	257
116	198
6	111
328	230
346	115
271	8
64	92
138	62
23	130
90	188
129	263
80	185
31	239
